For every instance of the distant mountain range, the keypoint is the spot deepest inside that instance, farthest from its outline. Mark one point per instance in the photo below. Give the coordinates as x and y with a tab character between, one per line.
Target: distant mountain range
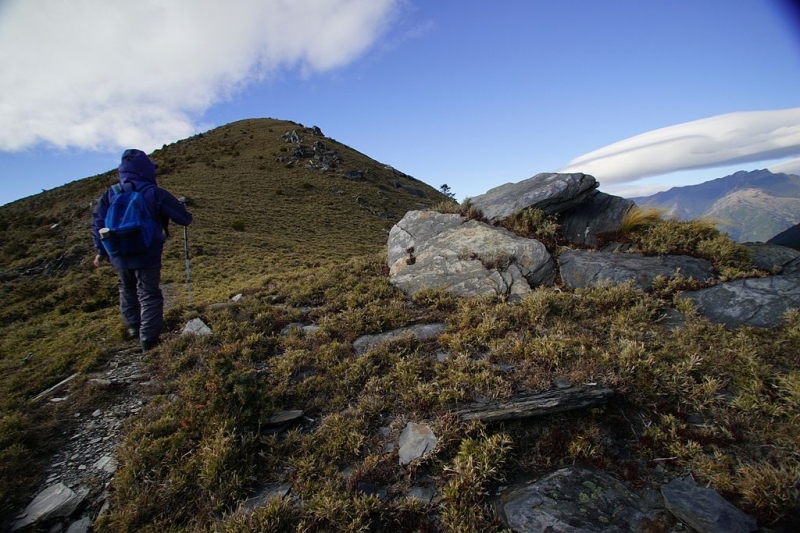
749	206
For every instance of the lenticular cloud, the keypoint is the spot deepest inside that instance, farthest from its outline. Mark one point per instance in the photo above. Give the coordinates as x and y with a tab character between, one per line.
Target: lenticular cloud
96	74
716	141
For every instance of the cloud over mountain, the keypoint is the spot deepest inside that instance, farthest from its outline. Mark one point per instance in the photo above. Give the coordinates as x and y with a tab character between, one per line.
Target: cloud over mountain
715	141
94	74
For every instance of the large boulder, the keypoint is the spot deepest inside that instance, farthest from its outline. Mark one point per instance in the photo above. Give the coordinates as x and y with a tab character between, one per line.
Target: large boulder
599	213
467	258
415	229
581	269
758	302
578	500
551	192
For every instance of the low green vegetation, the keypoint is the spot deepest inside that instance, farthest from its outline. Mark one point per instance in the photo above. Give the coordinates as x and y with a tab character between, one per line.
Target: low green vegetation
655	235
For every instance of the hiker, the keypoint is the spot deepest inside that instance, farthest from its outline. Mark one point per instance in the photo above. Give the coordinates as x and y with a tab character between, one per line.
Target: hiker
140	300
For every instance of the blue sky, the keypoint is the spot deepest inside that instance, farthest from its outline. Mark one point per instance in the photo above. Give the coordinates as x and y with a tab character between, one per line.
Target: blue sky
645	95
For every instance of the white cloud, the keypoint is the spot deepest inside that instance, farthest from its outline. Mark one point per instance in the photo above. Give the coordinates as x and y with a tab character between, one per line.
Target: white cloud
787	167
103	74
721	140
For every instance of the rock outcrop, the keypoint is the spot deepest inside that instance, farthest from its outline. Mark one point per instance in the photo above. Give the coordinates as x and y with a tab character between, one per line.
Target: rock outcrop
759	302
771	257
581	269
573	500
581	500
789	238
467	258
704	510
550	192
599	213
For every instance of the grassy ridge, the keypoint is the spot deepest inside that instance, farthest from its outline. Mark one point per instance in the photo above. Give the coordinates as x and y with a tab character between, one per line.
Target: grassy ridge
254	215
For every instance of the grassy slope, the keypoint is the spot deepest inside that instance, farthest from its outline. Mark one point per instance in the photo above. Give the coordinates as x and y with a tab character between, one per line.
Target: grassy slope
253	215
200	447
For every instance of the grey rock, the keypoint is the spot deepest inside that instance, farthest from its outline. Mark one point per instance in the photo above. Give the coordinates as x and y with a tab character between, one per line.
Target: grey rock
770	257
671	319
792	268
305	329
53	502
81	526
550	192
758	302
705	510
599	213
281	417
581	269
421	332
425	494
196	327
578	500
431	250
107	464
415	229
269	492
789	237
371	489
416	441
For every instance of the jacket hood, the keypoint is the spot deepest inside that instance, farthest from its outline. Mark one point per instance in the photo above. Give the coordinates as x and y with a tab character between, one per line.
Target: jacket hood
136	167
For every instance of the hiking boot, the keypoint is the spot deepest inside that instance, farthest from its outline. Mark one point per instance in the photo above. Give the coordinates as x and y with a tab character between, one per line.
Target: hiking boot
149	345
133	332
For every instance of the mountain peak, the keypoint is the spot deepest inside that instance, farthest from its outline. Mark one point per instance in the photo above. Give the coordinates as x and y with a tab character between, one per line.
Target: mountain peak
751	205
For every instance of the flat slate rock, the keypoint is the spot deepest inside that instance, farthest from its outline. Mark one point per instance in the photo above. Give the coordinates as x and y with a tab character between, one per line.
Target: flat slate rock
55	501
578	500
757	302
704	510
551	192
770	257
582	269
421	332
416	440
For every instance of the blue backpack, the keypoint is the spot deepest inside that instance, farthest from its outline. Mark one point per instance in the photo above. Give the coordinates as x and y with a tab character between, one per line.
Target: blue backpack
131	226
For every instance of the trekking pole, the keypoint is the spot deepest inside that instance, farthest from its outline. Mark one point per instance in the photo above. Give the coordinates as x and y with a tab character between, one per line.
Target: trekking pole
188	266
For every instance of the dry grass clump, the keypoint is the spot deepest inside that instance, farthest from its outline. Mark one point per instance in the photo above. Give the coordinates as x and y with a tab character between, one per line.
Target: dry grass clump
640	218
534	224
697	238
202	445
465	209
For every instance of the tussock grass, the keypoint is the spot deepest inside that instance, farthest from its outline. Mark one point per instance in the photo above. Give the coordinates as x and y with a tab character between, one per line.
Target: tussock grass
641	218
534	224
698	238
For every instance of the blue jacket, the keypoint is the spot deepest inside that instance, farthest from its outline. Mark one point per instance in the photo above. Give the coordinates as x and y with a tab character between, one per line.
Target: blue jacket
137	169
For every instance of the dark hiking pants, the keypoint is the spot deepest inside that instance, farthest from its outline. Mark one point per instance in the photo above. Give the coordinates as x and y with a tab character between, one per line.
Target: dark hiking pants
141	302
